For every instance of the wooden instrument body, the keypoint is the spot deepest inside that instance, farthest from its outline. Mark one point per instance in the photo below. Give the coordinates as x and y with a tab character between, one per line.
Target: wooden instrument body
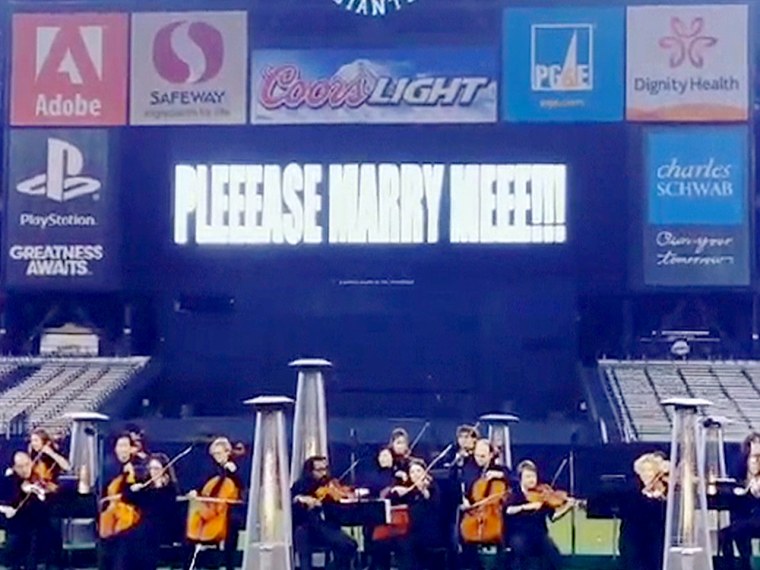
335	491
398	527
208	521
118	516
484	522
45	476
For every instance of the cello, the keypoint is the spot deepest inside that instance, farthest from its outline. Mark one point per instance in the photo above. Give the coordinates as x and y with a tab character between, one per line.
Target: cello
118	516
483	521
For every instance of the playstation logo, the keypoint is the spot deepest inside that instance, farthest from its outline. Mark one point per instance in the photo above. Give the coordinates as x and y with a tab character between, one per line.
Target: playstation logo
62	181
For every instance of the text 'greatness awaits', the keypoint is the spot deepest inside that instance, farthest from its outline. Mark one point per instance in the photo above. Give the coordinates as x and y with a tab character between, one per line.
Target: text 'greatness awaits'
383	203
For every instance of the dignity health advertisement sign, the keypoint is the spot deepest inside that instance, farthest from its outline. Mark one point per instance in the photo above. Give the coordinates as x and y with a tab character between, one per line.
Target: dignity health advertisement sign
697	224
410	85
369	203
687	63
61	218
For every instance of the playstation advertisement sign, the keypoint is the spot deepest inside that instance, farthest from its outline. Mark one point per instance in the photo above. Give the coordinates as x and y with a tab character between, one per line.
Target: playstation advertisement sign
61	223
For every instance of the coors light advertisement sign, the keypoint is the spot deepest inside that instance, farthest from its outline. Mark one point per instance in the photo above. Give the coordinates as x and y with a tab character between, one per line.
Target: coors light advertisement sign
422	85
61	211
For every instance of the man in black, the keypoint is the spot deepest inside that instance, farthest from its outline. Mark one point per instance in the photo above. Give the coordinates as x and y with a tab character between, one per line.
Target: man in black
311	529
27	516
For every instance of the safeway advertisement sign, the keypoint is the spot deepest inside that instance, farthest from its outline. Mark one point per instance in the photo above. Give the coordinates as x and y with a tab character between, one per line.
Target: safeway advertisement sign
687	63
413	85
69	69
189	68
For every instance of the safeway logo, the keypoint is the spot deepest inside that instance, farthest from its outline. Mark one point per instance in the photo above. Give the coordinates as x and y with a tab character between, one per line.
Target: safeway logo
188	52
62	180
69	69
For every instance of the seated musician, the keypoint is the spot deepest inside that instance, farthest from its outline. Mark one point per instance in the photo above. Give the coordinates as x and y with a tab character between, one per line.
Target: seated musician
402	452
528	529
27	514
311	530
156	498
642	545
745	518
482	467
48	464
216	522
422	496
117	523
749	446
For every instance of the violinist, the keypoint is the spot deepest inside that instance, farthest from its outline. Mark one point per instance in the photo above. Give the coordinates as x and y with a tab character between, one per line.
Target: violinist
311	530
380	484
156	498
118	520
745	518
485	491
47	466
27	513
422	497
642	545
212	519
141	454
528	514
467	437
402	452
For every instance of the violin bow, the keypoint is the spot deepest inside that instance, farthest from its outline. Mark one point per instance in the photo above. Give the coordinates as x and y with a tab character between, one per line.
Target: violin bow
417	439
168	466
350	467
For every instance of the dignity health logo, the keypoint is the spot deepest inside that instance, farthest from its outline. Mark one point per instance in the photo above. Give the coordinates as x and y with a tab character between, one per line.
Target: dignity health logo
373	8
562	57
687	43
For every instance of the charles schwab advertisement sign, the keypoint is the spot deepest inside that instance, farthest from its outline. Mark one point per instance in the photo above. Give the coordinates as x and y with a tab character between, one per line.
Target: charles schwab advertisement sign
413	85
687	63
61	222
697	227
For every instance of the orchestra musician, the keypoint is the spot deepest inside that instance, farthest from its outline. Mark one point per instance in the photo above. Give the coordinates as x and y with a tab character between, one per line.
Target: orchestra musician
47	466
528	516
311	529
156	499
380	484
212	520
402	452
118	520
484	469
750	446
642	545
467	436
745	518
27	513
141	454
422	497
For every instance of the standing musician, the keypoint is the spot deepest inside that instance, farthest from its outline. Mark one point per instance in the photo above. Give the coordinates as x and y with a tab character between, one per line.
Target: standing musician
529	509
745	518
119	519
642	545
212	520
467	437
402	452
156	499
750	446
380	484
485	489
310	527
421	495
27	516
137	435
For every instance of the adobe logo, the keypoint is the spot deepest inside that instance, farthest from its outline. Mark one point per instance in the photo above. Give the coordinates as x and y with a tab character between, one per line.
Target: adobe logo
188	52
69	69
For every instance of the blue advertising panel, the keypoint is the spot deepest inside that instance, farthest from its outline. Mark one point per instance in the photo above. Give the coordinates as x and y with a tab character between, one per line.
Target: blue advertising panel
61	225
696	231
563	64
412	85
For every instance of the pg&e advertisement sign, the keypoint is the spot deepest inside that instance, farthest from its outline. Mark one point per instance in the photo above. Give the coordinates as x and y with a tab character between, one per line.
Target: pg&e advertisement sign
697	226
563	64
411	85
61	211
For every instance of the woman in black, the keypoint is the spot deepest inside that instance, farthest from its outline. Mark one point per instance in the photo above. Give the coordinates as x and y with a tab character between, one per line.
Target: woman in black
402	452
528	523
380	483
642	515
745	518
156	498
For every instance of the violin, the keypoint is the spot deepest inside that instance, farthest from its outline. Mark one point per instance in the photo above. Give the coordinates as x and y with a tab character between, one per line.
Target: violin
483	521
658	486
335	491
118	516
547	496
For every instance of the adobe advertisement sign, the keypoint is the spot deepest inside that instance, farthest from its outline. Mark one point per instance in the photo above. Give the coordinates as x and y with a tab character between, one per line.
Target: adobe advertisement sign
697	224
413	85
369	204
61	223
189	68
69	69
563	64
687	63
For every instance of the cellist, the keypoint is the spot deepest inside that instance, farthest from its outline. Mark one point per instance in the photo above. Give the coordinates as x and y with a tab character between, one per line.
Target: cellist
484	471
118	519
212	520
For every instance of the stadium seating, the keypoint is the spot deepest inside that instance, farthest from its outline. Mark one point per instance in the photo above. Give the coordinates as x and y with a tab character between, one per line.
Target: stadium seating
635	390
43	390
